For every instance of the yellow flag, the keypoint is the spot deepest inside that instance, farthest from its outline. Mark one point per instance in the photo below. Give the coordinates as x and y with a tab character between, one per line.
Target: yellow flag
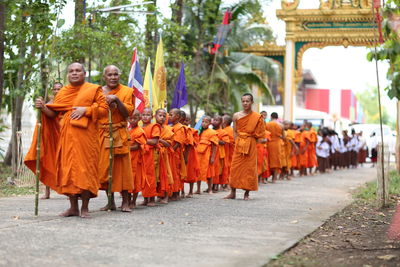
160	78
148	92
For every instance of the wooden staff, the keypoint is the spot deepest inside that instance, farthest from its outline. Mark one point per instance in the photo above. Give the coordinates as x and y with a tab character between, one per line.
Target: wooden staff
110	168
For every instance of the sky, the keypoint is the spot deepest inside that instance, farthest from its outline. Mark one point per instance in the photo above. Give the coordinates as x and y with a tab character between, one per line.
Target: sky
334	68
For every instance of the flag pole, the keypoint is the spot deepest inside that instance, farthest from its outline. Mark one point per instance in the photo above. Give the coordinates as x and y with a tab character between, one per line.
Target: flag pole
211	80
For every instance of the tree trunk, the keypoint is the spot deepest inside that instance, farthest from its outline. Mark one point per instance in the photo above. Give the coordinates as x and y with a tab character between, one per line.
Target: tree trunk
398	138
2	38
150	34
177	12
79	20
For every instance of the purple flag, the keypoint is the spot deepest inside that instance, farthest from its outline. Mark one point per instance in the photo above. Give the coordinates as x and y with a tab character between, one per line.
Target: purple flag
180	93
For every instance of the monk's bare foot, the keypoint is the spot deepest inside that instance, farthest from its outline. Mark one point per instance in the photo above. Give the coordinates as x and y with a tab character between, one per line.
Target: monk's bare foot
190	195
45	197
151	204
125	208
246	197
264	182
107	207
85	214
69	213
197	192
230	196
273	181
210	192
164	201
132	206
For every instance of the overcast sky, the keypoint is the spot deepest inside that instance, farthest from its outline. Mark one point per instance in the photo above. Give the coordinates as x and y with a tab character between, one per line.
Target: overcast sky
333	67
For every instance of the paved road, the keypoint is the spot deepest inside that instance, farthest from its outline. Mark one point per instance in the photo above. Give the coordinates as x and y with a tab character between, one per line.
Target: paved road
204	231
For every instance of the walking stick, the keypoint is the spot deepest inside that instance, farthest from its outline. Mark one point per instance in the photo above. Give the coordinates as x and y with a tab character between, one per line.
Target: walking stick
110	168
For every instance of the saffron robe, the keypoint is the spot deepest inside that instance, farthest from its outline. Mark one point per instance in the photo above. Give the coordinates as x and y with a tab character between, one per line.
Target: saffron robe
137	161
275	145
303	157
244	163
204	151
164	172
290	136
221	164
193	167
229	148
152	130
73	155
179	161
121	169
311	150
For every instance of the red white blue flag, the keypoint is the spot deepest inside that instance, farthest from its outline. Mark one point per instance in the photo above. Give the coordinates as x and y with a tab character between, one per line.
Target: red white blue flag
223	30
136	82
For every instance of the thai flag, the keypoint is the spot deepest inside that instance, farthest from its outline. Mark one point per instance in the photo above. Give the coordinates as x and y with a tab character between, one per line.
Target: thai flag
136	82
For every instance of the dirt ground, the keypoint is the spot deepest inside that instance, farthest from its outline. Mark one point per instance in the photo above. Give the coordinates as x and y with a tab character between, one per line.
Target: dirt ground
356	236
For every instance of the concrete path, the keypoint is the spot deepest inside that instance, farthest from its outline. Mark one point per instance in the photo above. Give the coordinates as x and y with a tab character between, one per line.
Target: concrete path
204	231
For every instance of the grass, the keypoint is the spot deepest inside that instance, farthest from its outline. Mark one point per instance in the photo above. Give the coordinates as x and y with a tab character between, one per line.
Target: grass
6	189
368	192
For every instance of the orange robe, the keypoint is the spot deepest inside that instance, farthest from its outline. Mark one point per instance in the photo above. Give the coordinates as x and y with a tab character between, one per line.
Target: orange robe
121	170
266	170
164	172
152	130
303	157
290	136
137	161
275	145
296	157
193	167
244	163
204	149
71	157
229	148
311	150
179	161
221	164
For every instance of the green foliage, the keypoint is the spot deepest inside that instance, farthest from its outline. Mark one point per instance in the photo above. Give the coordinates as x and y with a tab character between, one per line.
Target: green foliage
369	102
390	50
368	192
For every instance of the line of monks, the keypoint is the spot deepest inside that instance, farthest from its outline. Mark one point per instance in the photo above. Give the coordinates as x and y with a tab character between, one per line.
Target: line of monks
156	153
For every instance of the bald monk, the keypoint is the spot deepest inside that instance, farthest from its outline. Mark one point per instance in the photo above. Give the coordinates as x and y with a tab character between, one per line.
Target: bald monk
275	145
121	102
290	146
221	164
189	140
261	153
303	147
164	172
296	154
178	146
206	151
41	104
153	132
311	149
137	143
193	167
73	168
248	128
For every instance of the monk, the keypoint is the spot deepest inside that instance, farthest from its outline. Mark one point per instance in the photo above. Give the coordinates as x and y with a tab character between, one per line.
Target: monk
303	147
138	142
275	149
221	160
164	172
296	154
311	149
178	146
290	147
207	150
262	165
248	128
226	125
121	103
73	166
40	104
153	132
193	167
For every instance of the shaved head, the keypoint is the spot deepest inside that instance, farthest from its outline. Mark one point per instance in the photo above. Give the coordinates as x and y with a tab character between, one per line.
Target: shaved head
111	68
76	74
76	64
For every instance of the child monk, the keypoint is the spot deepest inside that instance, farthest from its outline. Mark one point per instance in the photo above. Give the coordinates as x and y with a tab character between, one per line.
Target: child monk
153	132
193	167
178	146
226	125
138	141
221	164
165	176
206	151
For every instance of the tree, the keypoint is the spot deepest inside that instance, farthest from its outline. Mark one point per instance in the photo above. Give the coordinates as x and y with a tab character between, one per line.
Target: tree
390	51
2	30
367	99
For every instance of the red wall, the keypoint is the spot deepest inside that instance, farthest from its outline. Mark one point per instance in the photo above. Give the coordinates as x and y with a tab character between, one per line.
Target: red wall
317	99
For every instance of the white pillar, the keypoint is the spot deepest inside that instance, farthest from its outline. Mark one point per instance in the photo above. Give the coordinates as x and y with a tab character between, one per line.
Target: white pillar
289	81
257	100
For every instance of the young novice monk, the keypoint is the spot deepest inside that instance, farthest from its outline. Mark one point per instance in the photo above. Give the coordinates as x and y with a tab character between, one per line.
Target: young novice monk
178	146
193	167
153	132
165	176
221	162
226	125
206	151
138	140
